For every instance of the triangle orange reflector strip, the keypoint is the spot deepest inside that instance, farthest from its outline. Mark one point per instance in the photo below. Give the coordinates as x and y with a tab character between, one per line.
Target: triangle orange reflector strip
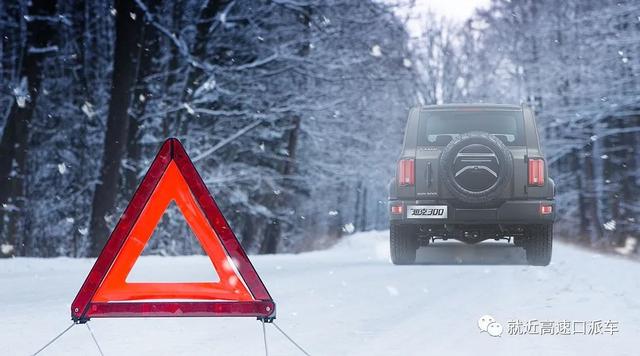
172	177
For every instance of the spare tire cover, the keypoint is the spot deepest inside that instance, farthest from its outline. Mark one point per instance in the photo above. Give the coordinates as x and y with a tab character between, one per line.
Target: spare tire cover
476	167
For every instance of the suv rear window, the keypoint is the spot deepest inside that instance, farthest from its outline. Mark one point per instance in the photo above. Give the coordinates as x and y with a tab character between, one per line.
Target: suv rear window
438	128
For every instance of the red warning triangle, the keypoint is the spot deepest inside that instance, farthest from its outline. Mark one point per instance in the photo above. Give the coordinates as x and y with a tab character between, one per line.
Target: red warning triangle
172	178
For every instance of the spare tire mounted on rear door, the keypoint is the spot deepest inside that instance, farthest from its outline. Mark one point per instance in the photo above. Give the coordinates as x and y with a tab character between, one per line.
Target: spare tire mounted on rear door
476	167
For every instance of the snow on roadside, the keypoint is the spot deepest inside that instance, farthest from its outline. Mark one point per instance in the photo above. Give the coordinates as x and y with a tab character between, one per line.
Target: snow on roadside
348	300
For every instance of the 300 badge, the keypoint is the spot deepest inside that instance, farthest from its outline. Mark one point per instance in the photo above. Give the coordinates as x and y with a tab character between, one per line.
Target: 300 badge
427	212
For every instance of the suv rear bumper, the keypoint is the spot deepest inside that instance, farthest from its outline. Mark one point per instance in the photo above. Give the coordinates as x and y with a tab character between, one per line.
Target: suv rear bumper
510	212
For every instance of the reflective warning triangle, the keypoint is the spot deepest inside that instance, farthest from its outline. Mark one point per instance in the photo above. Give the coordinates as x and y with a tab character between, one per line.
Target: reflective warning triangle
172	178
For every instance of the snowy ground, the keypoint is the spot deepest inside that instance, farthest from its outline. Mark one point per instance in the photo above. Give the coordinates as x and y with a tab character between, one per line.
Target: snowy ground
349	300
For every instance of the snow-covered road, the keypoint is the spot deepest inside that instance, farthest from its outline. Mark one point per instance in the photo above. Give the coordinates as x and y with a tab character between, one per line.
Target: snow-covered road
349	300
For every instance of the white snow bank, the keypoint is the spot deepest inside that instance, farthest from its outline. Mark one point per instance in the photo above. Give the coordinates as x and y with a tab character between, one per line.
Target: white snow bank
348	300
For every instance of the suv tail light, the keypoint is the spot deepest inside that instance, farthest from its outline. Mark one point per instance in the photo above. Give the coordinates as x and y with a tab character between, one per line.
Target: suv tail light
406	172
396	209
536	171
546	209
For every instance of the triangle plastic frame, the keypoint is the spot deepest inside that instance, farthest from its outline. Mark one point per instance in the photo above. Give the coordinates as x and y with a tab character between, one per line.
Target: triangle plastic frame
258	304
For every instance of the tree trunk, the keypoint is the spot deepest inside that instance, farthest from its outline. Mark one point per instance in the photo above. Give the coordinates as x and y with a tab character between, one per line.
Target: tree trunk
126	55
141	96
83	94
630	189
14	143
582	205
194	74
273	230
590	196
357	209
172	72
247	232
363	215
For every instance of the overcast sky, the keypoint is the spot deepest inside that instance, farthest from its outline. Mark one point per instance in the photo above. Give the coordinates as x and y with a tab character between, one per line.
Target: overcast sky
456	10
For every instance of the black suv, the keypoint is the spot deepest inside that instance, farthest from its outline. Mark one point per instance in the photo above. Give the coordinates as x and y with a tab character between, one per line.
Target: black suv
471	172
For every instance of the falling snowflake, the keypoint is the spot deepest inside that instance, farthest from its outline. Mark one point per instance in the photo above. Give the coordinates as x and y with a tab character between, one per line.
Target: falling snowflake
83	231
189	108
87	109
348	228
629	247
62	168
21	93
407	63
610	225
9	207
393	291
376	51
6	249
209	84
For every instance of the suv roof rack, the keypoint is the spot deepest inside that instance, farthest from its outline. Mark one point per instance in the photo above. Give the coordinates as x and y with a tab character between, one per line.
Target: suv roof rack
479	106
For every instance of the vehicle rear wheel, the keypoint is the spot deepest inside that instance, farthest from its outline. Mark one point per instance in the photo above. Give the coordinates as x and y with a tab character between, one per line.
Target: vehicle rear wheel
538	245
403	242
